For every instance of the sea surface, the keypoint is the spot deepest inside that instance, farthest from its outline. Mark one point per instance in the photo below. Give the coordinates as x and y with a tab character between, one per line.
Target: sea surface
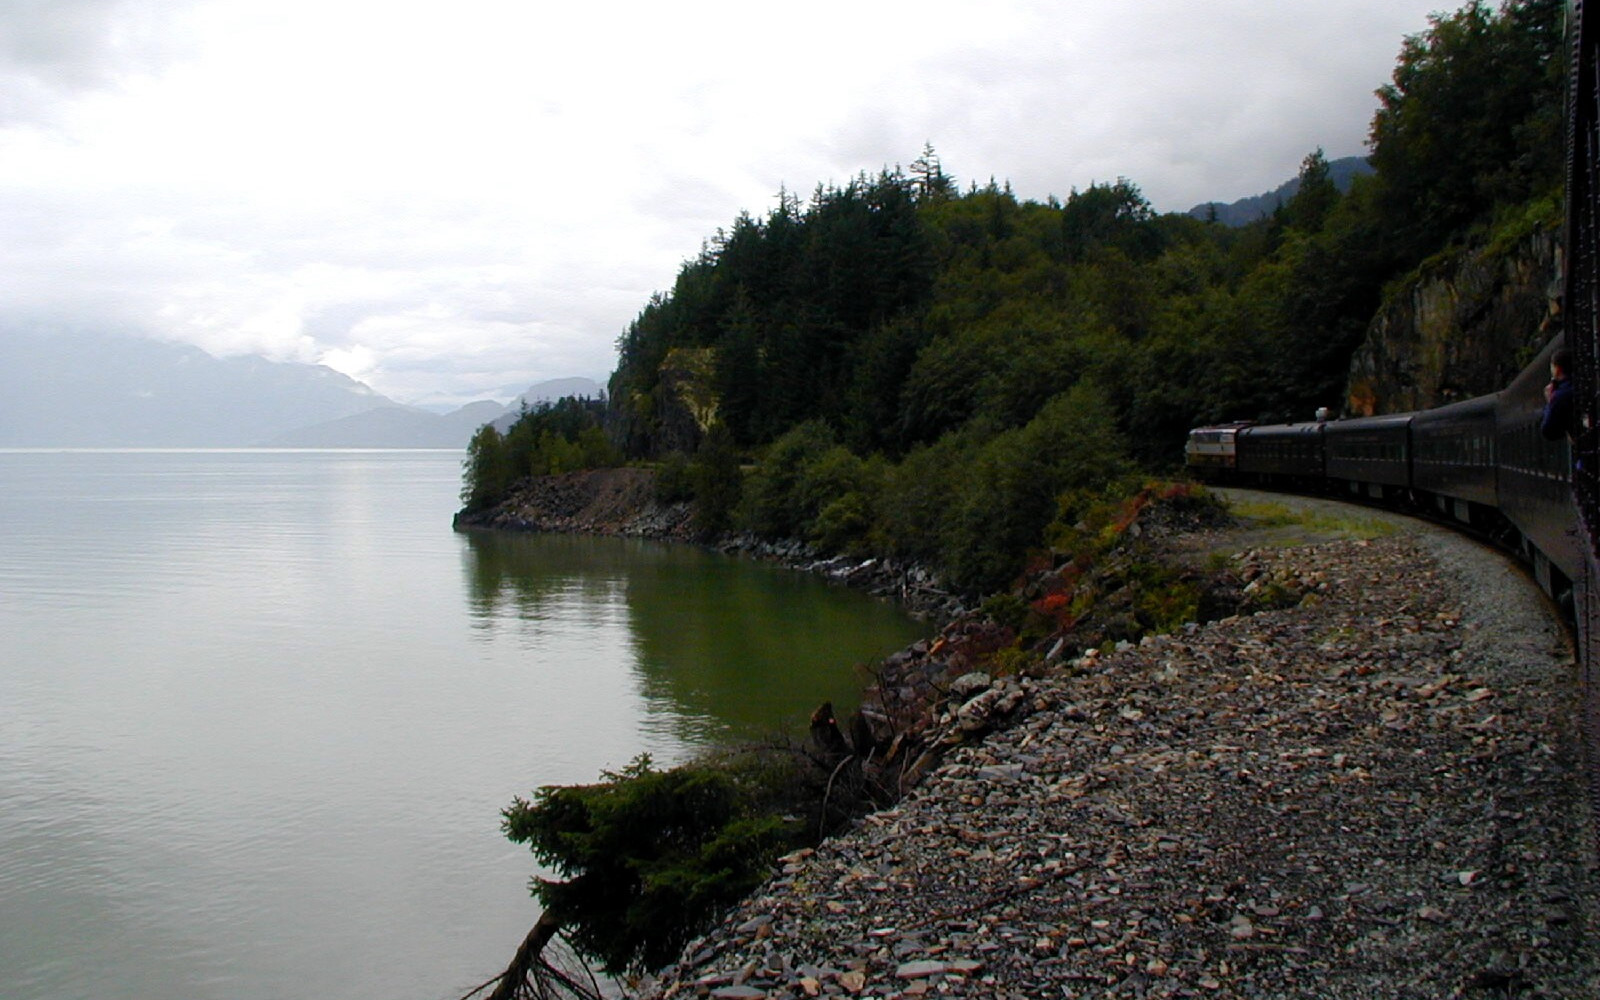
260	711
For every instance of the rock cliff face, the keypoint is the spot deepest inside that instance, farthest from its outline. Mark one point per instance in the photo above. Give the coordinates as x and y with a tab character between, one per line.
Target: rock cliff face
1462	328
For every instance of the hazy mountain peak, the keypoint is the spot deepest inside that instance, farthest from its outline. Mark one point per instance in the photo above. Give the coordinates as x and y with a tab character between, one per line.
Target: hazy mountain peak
1342	172
91	389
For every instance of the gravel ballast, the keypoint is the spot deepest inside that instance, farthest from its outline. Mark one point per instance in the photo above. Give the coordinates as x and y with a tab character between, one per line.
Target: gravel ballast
1377	793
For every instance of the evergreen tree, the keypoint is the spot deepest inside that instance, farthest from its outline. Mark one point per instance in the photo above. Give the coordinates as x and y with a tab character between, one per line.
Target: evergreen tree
930	181
487	471
1315	197
1109	215
1470	121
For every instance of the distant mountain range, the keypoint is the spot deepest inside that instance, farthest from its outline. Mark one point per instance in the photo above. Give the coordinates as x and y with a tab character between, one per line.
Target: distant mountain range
63	389
396	426
1248	210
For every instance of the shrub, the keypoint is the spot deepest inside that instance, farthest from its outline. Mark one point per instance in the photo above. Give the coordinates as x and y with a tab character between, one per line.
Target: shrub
772	505
1005	609
649	857
673	481
716	482
914	498
842	525
1009	494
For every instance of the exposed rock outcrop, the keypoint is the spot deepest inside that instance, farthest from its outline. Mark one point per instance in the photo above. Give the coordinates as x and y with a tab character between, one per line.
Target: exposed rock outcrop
1463	327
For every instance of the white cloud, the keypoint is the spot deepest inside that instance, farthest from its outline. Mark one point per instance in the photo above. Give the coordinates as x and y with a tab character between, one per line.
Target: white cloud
465	196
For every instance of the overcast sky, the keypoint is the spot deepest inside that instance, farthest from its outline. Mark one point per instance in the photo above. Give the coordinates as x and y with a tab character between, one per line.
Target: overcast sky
453	198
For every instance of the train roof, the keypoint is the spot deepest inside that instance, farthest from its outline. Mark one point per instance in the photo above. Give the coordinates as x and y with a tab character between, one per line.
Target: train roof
1284	430
1383	422
1477	404
1231	426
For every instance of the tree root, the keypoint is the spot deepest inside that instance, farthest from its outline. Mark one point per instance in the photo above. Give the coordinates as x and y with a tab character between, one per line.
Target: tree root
531	976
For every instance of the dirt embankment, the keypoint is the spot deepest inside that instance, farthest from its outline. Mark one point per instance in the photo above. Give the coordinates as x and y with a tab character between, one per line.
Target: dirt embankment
594	501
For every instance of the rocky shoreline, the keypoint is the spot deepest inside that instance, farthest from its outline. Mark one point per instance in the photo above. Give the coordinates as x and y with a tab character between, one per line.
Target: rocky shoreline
622	502
1374	794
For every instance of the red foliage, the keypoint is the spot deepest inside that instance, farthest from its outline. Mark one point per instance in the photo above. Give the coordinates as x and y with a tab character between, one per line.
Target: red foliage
1051	604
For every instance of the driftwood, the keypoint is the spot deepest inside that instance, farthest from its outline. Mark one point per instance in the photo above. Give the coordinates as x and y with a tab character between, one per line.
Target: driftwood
532	976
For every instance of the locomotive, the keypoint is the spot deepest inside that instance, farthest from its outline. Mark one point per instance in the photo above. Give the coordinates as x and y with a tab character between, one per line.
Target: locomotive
1479	462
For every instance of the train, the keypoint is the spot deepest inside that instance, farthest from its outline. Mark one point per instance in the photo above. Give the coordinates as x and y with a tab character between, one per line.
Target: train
1481	463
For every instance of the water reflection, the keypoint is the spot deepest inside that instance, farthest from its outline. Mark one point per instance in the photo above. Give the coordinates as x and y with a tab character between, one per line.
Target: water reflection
519	576
720	647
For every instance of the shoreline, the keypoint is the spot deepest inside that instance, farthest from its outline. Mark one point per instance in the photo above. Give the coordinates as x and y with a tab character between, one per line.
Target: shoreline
1369	794
1374	794
620	502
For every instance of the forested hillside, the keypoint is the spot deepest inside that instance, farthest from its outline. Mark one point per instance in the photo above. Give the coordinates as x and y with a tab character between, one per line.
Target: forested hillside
933	373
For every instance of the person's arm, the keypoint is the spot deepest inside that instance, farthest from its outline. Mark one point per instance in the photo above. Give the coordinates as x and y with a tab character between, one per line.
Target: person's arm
1556	422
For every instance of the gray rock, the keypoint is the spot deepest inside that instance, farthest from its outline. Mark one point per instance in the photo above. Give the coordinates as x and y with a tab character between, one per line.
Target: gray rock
921	969
964	687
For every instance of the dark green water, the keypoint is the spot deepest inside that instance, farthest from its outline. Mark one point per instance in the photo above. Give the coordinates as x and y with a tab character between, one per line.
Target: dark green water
259	712
722	647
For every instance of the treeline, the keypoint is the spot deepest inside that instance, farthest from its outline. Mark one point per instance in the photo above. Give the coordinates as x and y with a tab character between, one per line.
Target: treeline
550	438
917	370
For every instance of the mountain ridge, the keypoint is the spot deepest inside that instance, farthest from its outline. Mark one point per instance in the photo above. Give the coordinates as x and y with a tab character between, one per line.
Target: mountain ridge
86	389
82	389
1342	172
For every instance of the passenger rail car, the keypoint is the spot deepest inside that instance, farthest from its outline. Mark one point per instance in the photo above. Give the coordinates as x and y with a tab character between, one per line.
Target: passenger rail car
1453	459
1481	462
1371	455
1286	452
1535	486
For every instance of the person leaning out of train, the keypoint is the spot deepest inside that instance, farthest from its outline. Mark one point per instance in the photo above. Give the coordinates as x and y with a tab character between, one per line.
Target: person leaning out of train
1557	420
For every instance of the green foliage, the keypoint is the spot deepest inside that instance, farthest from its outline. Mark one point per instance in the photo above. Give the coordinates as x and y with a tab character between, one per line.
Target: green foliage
1316	197
844	523
810	487
1005	609
1008	494
487	470
1471	120
595	450
716	482
1162	599
781	496
804	312
1001	369
712	481
674	482
915	498
649	857
1109	216
551	438
1272	596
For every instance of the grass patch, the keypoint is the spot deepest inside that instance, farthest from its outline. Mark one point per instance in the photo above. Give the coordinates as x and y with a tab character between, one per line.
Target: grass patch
1277	515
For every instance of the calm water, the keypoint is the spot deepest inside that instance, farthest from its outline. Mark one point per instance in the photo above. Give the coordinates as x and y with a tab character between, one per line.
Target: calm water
259	712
